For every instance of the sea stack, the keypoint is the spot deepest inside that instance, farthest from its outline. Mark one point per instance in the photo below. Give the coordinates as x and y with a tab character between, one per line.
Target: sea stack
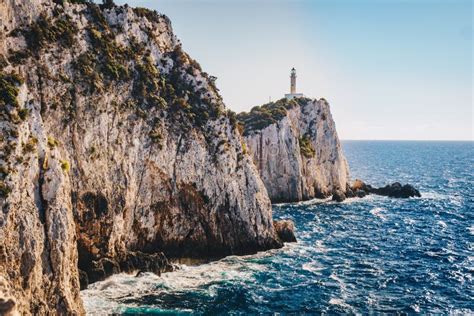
295	146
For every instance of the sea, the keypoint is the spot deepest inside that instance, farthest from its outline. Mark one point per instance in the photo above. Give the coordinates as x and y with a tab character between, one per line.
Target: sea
373	255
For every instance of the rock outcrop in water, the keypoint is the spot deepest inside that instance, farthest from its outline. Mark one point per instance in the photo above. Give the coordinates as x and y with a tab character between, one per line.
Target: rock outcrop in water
116	150
295	146
396	190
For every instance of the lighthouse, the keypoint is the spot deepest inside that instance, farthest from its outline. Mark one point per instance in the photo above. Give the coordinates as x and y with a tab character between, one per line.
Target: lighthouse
293	81
293	93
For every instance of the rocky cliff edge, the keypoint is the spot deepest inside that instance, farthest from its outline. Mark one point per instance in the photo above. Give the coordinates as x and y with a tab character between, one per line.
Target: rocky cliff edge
116	154
295	146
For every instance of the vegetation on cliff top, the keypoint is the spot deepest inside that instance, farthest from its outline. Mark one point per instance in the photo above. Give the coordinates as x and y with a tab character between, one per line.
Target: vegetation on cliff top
108	64
260	117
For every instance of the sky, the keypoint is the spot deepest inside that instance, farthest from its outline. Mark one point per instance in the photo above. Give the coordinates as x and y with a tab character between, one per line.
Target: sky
390	69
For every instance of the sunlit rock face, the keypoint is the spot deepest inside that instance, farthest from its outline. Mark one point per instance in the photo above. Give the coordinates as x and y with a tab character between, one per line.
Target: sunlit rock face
295	146
117	154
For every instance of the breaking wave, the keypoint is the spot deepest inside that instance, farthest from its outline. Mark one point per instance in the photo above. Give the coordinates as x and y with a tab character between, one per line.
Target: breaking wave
371	255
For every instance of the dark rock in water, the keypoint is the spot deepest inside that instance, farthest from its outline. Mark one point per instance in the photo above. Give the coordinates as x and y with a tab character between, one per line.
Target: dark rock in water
349	192
360	193
338	196
397	190
83	280
285	230
129	262
361	189
361	186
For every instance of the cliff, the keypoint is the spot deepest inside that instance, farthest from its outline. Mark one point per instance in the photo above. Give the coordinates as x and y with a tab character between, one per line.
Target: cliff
116	154
295	146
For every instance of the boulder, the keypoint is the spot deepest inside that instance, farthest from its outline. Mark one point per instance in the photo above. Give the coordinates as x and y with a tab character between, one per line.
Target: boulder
360	185
396	190
338	195
285	230
360	193
349	192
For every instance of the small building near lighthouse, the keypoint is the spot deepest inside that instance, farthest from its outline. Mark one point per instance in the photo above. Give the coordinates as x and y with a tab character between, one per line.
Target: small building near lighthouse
293	93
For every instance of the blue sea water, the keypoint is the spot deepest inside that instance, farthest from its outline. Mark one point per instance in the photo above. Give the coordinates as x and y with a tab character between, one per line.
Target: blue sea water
370	255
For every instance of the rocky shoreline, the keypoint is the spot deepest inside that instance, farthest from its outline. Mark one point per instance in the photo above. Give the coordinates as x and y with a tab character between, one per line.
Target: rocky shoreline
118	155
92	271
360	189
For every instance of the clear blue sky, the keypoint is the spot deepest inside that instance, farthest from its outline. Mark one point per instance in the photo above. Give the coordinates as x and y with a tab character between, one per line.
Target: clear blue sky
391	69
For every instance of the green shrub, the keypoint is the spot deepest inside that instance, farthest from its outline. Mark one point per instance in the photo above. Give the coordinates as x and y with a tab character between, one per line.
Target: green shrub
96	16
150	15
65	165
18	57
23	114
111	57
3	62
30	146
306	147
244	147
108	4
115	70
156	138
4	189
9	89
260	117
232	118
52	142
61	2
44	31
3	171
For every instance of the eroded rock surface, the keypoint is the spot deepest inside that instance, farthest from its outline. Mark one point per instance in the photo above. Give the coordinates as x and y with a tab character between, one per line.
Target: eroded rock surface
295	146
115	149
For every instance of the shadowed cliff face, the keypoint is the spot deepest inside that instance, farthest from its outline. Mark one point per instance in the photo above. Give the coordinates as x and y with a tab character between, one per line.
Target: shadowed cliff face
295	146
116	148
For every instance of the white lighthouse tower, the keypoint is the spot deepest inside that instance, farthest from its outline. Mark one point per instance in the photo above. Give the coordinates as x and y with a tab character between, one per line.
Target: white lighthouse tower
293	93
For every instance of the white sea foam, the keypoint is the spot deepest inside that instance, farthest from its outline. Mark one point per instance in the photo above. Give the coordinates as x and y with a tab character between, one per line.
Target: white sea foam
320	247
442	224
339	302
103	297
409	221
416	308
306	203
378	212
471	229
365	199
338	280
313	267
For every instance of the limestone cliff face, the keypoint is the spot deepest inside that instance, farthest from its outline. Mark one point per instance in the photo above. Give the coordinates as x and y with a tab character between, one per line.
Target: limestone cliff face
115	148
296	149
